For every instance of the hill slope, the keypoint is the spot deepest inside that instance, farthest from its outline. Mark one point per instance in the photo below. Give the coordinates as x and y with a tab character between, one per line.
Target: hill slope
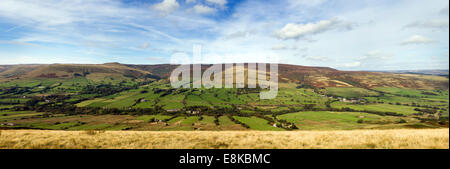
328	77
90	71
311	76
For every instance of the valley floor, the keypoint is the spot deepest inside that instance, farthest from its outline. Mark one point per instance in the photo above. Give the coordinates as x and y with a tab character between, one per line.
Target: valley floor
351	139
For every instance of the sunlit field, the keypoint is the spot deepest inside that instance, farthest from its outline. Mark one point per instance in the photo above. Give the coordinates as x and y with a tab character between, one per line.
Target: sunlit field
353	139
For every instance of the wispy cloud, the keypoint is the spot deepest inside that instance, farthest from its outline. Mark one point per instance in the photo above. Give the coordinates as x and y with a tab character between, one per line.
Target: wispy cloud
435	23
296	31
279	47
318	58
307	32
375	55
202	9
417	39
17	43
166	6
218	2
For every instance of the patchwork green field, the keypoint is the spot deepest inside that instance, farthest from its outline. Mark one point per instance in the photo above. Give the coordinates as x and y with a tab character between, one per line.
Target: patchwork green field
111	101
350	92
345	120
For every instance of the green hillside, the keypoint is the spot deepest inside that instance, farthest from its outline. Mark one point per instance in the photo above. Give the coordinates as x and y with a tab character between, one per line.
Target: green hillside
132	97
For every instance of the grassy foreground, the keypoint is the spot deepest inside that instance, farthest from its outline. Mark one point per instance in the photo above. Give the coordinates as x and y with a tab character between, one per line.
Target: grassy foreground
354	139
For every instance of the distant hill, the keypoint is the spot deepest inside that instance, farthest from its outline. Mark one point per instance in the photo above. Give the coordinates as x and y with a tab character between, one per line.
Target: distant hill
305	75
437	72
329	77
71	70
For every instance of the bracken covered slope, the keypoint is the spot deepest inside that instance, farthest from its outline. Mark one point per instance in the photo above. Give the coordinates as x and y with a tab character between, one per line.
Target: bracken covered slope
328	77
312	76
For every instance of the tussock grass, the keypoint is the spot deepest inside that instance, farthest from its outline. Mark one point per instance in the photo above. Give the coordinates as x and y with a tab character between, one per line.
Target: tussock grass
93	132
354	139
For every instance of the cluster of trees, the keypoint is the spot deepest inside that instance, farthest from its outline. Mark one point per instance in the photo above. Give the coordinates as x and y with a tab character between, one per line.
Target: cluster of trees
425	106
171	118
164	92
410	96
16	90
84	74
216	120
238	122
247	90
213	111
441	121
286	125
69	109
413	104
429	93
109	89
16	102
310	107
279	122
152	77
347	109
428	111
304	84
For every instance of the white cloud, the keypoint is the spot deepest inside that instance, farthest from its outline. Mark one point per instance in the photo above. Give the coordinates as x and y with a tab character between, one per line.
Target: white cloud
166	6
435	23
202	9
375	55
218	2
296	31
318	58
351	65
417	39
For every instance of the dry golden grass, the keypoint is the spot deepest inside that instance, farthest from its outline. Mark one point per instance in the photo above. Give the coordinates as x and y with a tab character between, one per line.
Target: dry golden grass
355	139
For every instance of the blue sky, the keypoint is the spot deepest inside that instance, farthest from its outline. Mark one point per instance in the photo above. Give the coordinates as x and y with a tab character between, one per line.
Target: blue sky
343	34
